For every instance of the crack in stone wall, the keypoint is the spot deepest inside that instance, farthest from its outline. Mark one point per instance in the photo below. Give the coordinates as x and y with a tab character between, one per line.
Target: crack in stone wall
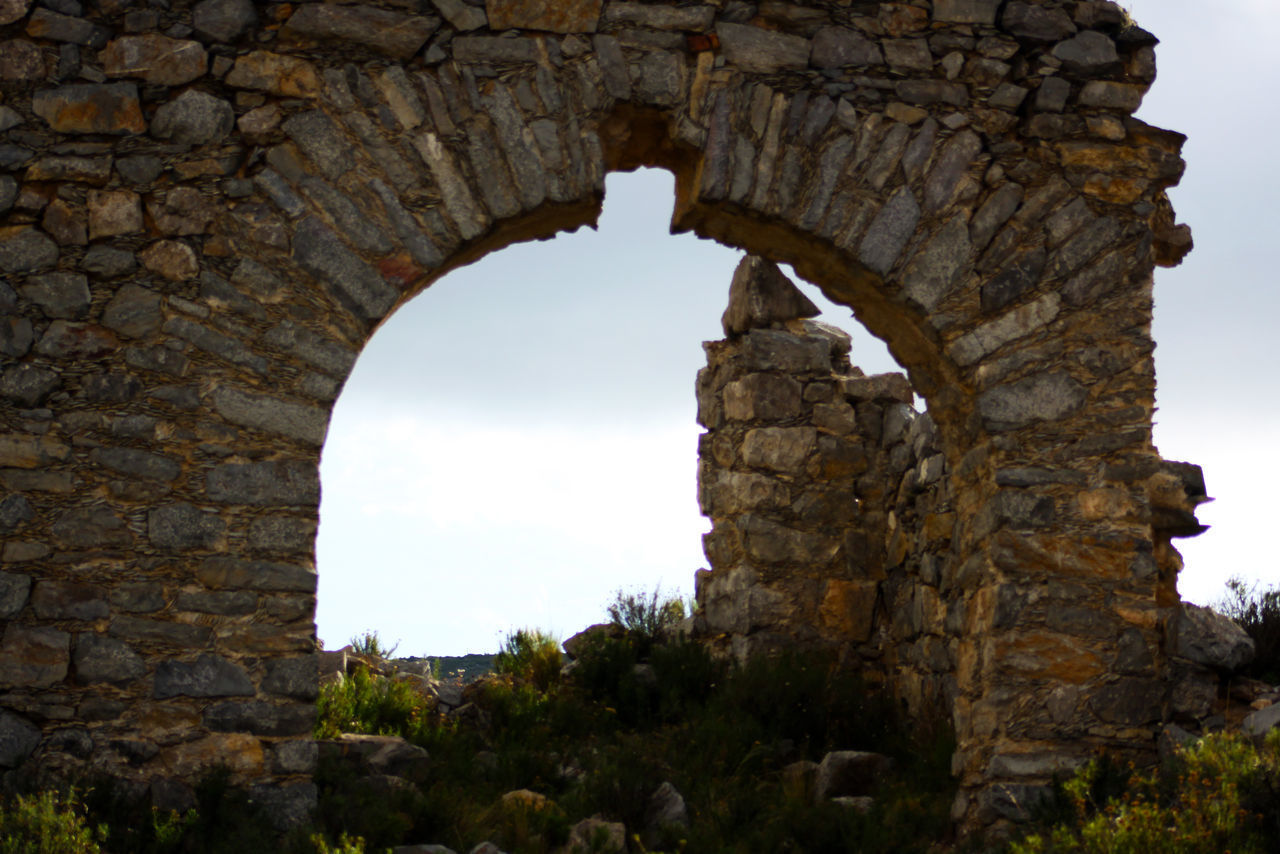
207	208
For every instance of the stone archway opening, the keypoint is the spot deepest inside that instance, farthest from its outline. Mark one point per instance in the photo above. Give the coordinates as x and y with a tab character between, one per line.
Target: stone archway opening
519	441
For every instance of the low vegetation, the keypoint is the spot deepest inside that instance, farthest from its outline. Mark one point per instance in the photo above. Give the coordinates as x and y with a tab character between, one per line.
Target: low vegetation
640	707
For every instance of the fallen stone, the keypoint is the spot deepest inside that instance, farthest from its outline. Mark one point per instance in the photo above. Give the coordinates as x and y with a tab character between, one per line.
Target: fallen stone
110	108
1261	722
665	809
844	773
1207	637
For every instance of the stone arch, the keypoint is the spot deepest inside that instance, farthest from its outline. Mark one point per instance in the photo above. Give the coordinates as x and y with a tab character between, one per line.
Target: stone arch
196	250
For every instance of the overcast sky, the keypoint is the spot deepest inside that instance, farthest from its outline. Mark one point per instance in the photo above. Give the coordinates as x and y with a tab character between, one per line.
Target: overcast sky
519	442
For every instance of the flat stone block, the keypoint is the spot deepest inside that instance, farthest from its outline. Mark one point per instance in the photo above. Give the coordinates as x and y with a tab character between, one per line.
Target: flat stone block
565	16
111	108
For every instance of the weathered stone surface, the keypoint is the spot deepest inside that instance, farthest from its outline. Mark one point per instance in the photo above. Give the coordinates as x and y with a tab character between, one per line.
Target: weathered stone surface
849	773
24	249
208	676
16	336
1088	54
33	656
91	528
460	15
836	47
133	312
780	449
13	10
761	295
293	677
64	295
69	600
1037	23
1020	322
221	572
260	718
18	736
14	510
184	526
269	484
1206	637
18	450
263	412
14	590
889	232
172	259
665	809
390	33
762	51
155	58
47	24
21	60
194	118
275	73
319	251
1042	397
1125	97
966	11
939	265
223	20
690	18
111	108
766	397
160	631
568	16
104	659
28	385
282	533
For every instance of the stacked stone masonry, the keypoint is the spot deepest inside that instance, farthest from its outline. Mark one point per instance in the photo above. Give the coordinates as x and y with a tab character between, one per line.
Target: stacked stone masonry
207	208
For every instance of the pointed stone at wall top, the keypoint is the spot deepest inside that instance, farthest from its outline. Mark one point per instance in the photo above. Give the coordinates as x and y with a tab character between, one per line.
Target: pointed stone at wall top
760	295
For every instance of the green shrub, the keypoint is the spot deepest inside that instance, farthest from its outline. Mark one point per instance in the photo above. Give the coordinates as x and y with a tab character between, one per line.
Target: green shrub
376	705
47	823
1216	794
1258	613
530	655
646	616
370	644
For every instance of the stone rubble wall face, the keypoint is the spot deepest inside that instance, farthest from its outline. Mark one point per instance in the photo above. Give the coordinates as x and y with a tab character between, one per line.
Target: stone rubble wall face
207	208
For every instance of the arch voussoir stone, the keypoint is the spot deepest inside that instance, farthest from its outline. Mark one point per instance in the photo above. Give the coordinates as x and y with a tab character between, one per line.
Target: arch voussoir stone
205	214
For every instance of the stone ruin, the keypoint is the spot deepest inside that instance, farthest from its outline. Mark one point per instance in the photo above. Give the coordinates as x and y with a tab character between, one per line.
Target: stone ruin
207	208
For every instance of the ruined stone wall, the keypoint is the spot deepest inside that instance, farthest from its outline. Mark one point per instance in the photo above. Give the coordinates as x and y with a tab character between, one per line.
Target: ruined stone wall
829	500
207	208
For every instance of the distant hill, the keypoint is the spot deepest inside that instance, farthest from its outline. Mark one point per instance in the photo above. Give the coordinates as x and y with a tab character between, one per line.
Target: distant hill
468	667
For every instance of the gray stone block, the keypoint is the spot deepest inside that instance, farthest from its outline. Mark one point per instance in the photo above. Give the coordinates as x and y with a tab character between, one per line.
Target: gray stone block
352	279
103	659
18	739
208	676
273	483
260	718
193	118
225	572
14	590
299	421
